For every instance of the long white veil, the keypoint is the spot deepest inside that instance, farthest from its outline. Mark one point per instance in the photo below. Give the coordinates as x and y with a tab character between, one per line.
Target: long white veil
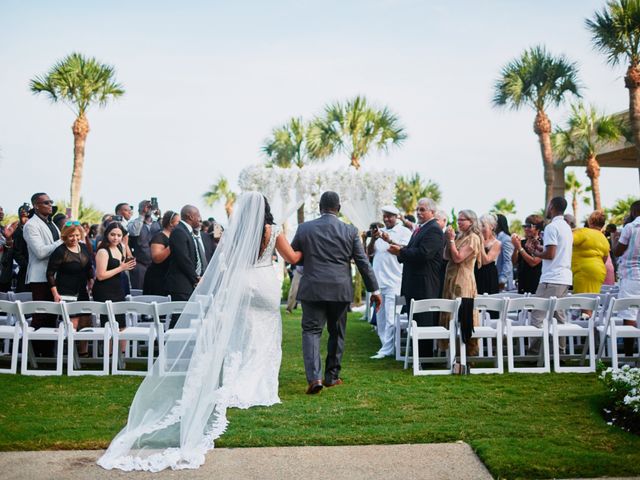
180	407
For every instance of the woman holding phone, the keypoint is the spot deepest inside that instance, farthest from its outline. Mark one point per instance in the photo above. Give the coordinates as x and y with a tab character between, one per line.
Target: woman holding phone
111	262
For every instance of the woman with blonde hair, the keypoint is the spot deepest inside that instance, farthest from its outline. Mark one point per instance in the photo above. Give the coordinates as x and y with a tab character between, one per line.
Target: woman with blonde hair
462	252
70	273
486	272
590	254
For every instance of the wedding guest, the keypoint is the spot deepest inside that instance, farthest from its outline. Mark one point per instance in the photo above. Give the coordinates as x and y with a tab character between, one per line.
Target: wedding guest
125	211
422	260
6	254
556	275
59	219
208	244
590	254
529	267
571	220
154	279
486	272
628	251
70	274
42	238
186	261
112	259
442	219
388	272
503	263
20	251
141	230
463	252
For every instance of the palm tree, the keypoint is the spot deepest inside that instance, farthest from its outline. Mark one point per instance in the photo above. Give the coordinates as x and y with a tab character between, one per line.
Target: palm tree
354	127
78	82
577	192
586	133
616	33
86	212
411	189
620	210
287	147
504	207
539	80
220	191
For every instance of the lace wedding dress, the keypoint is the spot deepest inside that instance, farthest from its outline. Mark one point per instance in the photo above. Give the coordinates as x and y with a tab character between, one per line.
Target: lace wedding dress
254	368
224	351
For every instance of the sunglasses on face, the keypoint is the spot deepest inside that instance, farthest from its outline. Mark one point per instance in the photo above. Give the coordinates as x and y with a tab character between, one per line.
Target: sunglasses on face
529	225
71	222
46	202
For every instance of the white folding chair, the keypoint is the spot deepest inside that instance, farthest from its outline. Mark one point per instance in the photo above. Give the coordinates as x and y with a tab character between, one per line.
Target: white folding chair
130	334
574	329
615	331
517	318
401	323
22	296
489	330
138	321
181	335
95	334
135	292
526	306
29	334
10	334
416	333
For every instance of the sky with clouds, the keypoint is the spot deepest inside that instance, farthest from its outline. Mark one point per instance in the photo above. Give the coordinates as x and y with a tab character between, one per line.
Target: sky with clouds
206	81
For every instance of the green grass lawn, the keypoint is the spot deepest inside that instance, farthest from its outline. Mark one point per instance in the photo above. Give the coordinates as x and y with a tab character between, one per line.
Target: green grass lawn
521	426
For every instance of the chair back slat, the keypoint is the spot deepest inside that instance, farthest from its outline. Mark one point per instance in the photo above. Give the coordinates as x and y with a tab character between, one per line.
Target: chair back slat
86	308
575	302
433	305
38	306
8	307
620	304
488	303
529	303
119	308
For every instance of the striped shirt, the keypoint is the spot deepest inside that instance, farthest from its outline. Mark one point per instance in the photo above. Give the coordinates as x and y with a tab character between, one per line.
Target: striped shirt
629	263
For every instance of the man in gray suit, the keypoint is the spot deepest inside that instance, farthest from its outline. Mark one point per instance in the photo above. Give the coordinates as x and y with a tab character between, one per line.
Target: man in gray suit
326	289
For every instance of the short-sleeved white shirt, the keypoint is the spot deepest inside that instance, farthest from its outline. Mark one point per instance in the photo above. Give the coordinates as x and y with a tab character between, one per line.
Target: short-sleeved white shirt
386	267
558	270
629	263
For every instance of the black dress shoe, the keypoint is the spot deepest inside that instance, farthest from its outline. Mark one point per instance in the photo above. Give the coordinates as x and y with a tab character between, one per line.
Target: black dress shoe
314	387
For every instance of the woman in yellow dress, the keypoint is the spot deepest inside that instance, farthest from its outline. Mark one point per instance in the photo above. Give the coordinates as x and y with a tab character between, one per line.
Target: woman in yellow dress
459	281
590	253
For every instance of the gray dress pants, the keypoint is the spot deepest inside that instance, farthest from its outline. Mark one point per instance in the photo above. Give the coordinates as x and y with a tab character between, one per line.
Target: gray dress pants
314	317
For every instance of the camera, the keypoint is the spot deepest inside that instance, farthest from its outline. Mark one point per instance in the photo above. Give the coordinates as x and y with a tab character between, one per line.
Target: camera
116	218
154	203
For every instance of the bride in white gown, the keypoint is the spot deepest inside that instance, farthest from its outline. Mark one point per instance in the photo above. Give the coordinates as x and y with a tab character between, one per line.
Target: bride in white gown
225	351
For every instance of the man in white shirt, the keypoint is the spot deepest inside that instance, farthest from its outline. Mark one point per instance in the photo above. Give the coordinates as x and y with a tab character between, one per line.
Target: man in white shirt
628	251
388	271
556	275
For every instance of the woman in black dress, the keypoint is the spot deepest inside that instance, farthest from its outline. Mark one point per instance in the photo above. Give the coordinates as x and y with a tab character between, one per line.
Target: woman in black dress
487	273
70	273
529	267
154	283
111	262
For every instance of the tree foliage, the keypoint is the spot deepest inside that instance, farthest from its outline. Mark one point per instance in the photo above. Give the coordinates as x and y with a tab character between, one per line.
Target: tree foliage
410	189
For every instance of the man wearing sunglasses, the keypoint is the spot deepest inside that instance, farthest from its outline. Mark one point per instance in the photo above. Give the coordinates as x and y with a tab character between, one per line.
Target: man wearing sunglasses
42	238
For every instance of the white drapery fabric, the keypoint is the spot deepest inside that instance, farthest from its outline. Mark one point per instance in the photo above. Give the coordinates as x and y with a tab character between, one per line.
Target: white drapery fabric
362	192
180	407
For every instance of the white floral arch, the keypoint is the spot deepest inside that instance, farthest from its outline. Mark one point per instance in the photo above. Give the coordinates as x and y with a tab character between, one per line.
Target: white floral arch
362	192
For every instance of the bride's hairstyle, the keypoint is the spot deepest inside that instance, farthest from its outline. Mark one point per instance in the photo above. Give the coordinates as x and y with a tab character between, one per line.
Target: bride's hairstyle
268	220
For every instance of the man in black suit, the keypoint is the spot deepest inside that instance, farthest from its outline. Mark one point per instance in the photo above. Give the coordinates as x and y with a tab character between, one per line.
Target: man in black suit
422	260
326	288
186	263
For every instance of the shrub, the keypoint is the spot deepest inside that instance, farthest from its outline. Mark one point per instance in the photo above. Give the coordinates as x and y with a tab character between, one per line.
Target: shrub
623	408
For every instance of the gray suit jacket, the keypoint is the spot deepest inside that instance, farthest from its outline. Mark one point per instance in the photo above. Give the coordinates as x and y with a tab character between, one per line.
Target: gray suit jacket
328	245
40	245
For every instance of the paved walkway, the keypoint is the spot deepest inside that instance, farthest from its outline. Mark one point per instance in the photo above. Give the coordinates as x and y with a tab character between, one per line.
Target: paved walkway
455	461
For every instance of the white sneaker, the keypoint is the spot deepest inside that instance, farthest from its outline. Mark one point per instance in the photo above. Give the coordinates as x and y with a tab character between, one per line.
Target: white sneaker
377	356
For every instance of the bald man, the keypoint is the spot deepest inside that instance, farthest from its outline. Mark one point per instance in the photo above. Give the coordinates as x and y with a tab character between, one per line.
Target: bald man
187	261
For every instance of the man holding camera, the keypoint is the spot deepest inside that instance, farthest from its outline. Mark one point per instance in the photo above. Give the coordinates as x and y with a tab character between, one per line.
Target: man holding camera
388	271
141	230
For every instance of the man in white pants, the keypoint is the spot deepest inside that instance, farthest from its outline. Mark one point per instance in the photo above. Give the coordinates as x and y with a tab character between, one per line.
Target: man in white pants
628	251
388	271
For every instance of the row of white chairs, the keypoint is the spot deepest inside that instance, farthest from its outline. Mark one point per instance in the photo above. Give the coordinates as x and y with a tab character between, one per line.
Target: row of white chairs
151	332
513	325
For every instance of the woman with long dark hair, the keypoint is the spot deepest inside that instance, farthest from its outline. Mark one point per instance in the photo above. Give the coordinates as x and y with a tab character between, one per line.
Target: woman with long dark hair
154	277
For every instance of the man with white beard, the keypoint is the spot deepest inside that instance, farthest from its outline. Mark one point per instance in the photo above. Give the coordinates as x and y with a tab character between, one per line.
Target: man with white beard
388	271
